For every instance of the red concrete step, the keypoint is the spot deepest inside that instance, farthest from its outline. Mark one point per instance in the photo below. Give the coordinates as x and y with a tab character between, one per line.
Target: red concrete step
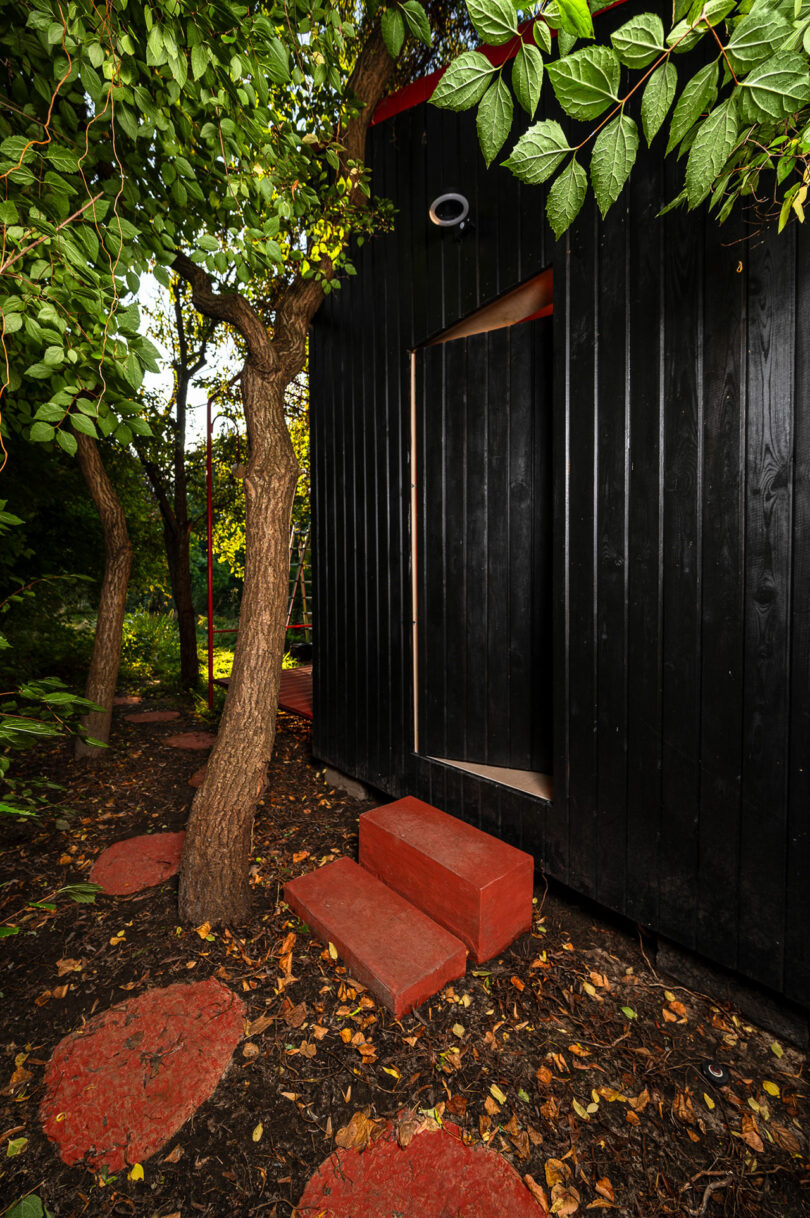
473	884
391	947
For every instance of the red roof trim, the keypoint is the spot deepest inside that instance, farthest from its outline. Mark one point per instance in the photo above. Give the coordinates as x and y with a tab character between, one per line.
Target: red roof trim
422	90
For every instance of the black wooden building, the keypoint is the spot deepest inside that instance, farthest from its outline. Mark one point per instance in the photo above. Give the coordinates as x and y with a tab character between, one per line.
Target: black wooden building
586	626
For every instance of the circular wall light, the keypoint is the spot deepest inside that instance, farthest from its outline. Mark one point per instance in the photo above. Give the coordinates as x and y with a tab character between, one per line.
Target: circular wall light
449	209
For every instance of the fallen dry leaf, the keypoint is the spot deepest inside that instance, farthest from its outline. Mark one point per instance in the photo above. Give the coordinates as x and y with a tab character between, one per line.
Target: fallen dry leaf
257	1026
174	1156
318	1031
564	1199
360	1130
491	1107
750	1133
544	1076
68	965
605	1189
250	1050
408	1126
457	1105
295	1016
536	1191
557	1172
786	1138
203	931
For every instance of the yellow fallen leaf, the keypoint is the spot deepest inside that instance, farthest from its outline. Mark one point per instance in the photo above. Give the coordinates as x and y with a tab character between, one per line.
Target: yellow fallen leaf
136	1173
557	1172
777	1049
709	1102
496	1092
771	1088
458	1029
392	1070
579	1110
333	951
257	1132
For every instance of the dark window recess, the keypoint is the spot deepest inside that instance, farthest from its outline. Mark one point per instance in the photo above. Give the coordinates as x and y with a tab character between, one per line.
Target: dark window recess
483	427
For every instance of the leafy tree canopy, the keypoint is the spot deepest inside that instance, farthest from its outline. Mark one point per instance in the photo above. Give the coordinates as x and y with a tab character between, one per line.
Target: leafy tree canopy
132	132
741	118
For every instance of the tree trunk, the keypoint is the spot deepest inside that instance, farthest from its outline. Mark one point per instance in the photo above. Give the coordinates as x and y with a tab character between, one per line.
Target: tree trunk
214	883
103	675
176	542
186	617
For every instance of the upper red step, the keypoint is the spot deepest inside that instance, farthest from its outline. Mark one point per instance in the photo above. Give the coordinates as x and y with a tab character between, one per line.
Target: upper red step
391	947
475	885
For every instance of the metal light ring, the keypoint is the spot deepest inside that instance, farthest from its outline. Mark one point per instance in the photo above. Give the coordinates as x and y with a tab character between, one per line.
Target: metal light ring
450	197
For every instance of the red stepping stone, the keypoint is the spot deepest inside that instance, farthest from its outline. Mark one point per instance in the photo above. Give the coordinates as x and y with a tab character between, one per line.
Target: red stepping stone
127	700
389	945
435	1176
152	716
476	886
197	777
191	740
119	1088
138	863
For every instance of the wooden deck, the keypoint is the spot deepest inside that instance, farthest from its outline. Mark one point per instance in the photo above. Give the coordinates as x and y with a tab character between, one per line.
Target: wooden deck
295	694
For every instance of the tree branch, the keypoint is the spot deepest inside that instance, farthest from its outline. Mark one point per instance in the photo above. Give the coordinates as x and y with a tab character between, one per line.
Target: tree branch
229	307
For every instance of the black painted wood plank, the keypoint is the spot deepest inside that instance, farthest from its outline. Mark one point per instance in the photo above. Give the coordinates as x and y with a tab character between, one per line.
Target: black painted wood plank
645	539
797	888
583	288
723	580
683	425
540	549
763	845
612	476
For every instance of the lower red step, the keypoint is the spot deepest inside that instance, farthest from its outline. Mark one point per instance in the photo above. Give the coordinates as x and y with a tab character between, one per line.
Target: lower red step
394	949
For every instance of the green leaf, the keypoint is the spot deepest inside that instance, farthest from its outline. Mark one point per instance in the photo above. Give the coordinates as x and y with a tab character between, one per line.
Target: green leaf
629	1013
614	154
538	152
495	21
49	412
155	51
566	196
393	31
15	1147
542	35
698	95
527	77
493	121
639	40
777	88
277	62
207	242
83	424
712	147
755	39
565	43
417	21
62	159
5	933
658	97
575	18
42	432
586	82
66	441
464	83
199	61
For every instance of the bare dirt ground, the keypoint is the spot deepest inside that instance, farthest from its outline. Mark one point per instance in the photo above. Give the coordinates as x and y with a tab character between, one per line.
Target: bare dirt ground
567	1054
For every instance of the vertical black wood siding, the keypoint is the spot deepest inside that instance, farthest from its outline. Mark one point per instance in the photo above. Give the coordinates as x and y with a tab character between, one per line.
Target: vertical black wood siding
681	541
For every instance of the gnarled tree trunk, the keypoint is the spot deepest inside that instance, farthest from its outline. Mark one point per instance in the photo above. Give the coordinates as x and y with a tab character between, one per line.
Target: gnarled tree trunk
103	675
214	878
